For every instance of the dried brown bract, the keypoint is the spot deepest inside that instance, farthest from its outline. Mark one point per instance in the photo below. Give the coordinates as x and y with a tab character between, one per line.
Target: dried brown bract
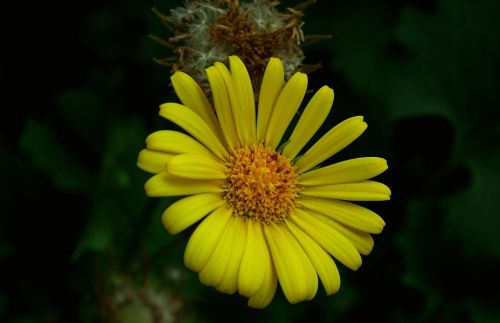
207	31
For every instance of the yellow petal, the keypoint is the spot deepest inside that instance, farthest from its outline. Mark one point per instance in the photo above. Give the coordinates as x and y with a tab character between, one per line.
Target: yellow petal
153	161
265	294
205	238
271	86
229	282
351	170
165	184
322	262
222	106
332	142
244	90
194	124
286	106
196	167
253	265
361	240
310	121
239	121
187	211
352	215
227	252
356	191
296	275
191	95
328	238
175	142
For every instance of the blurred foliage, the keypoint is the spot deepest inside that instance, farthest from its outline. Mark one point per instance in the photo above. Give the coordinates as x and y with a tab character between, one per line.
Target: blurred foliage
79	240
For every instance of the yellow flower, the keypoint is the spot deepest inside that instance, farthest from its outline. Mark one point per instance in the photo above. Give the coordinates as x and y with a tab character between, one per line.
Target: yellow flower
267	214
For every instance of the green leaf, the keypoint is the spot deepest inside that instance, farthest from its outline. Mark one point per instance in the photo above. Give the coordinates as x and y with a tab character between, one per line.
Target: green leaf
360	39
48	155
472	213
118	197
409	89
481	313
454	47
98	234
419	252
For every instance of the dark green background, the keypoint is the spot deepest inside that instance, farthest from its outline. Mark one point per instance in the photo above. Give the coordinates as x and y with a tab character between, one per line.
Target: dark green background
84	93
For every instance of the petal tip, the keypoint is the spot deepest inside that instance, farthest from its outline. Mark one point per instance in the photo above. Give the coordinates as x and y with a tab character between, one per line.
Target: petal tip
166	223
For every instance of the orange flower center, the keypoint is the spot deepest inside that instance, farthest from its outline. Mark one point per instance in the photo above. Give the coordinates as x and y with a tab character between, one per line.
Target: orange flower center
261	184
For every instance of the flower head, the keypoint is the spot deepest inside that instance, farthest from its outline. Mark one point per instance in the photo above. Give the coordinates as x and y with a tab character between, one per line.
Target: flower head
266	215
207	31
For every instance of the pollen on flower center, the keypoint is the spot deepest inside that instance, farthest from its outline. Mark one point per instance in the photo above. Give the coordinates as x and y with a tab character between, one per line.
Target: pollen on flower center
261	184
